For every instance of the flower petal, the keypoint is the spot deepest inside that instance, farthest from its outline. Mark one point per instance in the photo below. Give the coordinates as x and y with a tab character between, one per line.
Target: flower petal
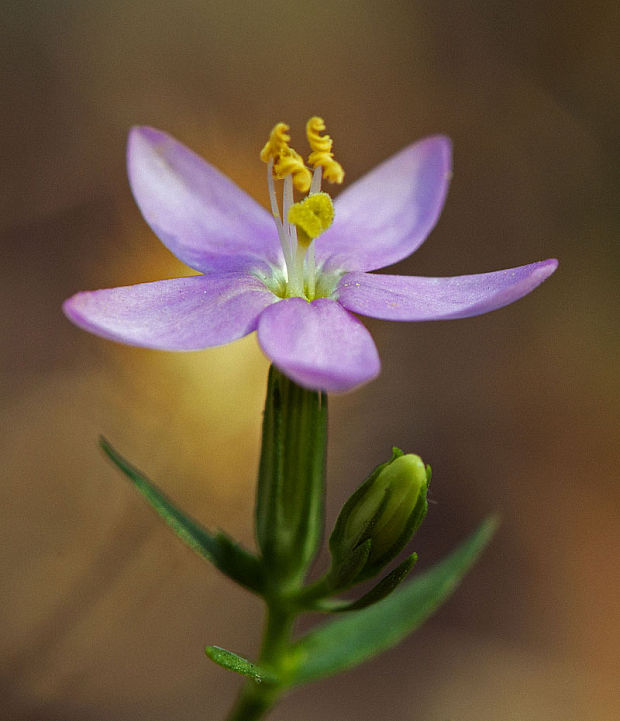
178	314
387	214
319	345
397	297
196	211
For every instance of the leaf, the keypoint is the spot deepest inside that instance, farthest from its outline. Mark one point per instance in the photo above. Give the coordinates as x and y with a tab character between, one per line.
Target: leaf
349	640
228	556
238	664
233	558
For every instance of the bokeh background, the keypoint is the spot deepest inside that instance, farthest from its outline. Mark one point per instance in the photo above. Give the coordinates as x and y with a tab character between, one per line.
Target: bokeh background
104	614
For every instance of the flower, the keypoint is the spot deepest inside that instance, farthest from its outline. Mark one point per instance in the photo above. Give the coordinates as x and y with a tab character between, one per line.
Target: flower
385	510
299	280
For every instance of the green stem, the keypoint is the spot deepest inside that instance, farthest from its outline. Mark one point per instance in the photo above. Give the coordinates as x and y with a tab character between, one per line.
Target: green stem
289	499
256	699
289	524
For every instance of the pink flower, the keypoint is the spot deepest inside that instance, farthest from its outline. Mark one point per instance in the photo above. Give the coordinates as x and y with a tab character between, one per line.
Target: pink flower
247	263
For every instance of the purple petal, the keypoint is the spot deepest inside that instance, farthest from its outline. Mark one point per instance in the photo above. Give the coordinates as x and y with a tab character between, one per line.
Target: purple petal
319	345
387	214
196	211
397	297
179	314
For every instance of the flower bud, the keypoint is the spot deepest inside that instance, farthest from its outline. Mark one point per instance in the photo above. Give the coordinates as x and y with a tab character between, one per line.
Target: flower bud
387	509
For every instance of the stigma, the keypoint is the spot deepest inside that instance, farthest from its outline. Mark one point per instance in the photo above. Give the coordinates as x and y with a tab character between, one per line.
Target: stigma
300	223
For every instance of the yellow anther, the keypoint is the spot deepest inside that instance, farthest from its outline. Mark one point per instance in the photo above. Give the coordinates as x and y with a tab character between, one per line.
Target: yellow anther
291	163
322	151
332	170
319	143
277	143
286	161
311	216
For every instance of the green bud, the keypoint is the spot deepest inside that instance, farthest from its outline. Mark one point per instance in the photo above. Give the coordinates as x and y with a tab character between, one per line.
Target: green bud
386	509
400	485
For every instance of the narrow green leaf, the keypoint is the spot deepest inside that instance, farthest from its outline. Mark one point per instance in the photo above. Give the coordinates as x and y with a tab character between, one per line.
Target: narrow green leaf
349	640
230	558
238	664
247	568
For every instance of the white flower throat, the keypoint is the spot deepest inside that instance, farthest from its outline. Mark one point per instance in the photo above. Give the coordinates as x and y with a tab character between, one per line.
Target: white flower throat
302	222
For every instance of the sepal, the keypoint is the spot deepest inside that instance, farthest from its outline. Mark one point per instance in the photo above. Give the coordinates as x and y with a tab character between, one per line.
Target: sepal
386	585
227	555
383	589
344	574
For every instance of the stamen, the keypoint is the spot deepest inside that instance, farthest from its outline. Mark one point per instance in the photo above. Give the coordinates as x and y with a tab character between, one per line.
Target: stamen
287	201
295	274
277	143
317	176
319	143
275	211
300	255
322	155
286	161
291	163
311	271
301	222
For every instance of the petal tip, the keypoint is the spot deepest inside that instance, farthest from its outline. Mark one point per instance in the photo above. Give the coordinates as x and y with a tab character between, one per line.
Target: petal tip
440	140
68	306
145	132
545	268
440	145
143	142
73	308
551	264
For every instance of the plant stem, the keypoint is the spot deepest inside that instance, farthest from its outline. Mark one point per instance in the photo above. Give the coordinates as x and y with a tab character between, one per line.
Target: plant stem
256	699
289	524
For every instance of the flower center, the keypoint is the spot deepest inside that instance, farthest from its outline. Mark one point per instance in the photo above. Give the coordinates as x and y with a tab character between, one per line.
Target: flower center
302	222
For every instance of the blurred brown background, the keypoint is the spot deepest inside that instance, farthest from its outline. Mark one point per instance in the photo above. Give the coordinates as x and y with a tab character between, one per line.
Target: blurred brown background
104	614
